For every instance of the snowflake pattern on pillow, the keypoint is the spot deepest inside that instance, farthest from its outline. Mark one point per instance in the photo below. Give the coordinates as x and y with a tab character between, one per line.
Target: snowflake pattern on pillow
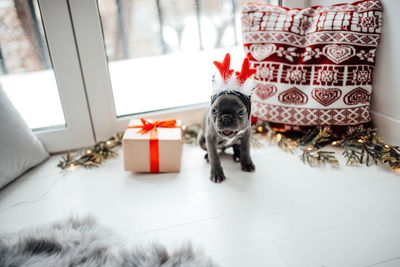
314	65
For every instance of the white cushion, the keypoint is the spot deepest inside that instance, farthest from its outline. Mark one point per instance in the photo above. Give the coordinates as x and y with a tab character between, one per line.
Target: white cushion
20	149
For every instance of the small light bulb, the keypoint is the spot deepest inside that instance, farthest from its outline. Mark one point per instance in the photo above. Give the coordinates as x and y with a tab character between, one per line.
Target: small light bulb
309	148
88	152
386	146
360	141
260	129
334	143
183	127
71	166
108	143
279	137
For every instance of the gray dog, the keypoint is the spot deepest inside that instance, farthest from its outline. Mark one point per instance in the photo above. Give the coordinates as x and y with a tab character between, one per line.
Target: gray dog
227	122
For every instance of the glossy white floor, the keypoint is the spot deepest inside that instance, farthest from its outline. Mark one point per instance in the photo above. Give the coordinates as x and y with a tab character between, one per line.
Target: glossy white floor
284	214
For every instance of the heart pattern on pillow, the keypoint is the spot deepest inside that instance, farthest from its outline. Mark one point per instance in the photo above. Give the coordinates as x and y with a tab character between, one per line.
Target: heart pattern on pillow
293	96
357	96
339	53
326	96
264	91
261	52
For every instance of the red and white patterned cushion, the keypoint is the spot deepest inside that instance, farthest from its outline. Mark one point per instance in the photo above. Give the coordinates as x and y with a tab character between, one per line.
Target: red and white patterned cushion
314	65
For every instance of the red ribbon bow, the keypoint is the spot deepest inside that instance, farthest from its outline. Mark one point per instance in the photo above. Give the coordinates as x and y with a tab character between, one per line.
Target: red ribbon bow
151	127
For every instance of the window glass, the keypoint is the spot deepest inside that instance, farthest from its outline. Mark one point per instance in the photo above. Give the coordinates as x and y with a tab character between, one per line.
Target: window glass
161	52
26	73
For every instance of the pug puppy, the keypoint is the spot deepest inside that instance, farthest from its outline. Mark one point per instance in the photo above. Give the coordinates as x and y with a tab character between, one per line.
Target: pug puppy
226	123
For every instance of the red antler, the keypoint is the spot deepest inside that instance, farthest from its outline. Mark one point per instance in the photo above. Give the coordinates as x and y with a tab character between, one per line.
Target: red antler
246	72
224	67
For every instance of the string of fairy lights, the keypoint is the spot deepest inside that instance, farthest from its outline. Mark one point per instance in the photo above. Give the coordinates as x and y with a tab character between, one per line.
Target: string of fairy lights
360	146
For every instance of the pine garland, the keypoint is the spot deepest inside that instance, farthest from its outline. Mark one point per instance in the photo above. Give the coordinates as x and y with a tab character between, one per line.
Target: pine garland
360	146
365	146
190	133
93	156
314	157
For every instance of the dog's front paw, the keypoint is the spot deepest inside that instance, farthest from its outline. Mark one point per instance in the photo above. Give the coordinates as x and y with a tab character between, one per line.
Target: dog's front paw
236	153
236	156
217	175
248	166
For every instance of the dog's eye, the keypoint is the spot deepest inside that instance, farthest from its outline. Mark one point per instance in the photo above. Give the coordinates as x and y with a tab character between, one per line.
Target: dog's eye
241	112
214	111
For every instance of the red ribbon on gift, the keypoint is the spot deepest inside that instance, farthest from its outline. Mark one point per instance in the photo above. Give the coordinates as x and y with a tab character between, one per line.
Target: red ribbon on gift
151	127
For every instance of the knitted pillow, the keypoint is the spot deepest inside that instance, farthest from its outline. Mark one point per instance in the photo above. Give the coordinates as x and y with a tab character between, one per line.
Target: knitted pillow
314	65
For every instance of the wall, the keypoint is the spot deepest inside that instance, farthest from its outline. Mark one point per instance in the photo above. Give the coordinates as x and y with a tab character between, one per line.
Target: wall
386	95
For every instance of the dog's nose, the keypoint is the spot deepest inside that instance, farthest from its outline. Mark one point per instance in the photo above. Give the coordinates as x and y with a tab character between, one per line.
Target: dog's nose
226	119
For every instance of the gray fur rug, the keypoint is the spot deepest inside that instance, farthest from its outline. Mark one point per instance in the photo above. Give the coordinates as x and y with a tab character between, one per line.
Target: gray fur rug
83	242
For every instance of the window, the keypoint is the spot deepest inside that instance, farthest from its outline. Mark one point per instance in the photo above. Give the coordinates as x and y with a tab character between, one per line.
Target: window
92	65
160	52
40	71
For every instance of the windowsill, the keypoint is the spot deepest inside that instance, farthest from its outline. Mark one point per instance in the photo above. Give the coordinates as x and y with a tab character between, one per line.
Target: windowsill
299	215
188	114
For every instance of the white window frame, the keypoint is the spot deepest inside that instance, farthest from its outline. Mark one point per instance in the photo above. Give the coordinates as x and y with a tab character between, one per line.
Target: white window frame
74	35
59	35
75	39
90	43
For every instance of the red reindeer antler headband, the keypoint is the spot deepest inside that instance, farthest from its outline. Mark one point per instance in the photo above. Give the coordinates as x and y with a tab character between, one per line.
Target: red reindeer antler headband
245	72
224	67
234	81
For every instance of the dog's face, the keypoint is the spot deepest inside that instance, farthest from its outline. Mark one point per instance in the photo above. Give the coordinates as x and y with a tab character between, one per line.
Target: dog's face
229	115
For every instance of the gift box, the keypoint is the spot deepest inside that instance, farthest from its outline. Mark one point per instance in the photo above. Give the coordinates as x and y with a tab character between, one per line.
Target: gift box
152	146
